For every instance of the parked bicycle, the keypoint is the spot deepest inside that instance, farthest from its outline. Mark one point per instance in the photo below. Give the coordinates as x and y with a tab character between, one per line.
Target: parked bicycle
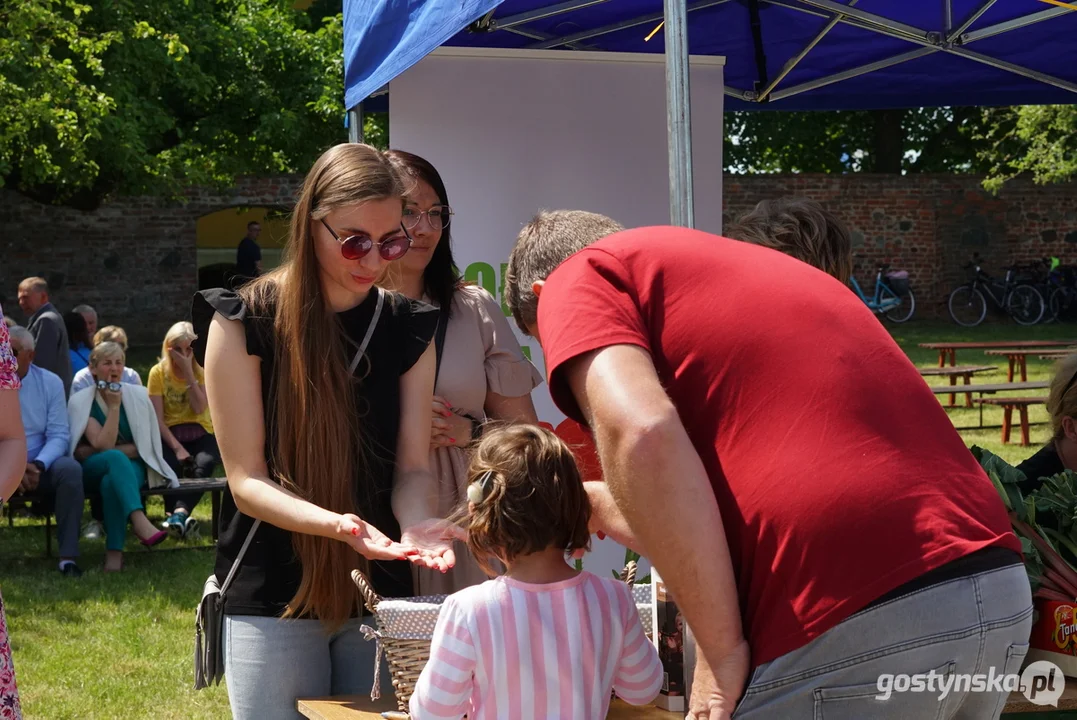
893	298
1020	300
1061	297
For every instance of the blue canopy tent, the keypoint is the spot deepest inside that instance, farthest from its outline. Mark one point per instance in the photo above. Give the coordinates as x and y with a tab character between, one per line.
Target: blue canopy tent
780	54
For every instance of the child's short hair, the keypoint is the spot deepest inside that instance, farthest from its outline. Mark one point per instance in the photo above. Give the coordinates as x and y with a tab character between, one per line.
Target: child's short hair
533	496
801	228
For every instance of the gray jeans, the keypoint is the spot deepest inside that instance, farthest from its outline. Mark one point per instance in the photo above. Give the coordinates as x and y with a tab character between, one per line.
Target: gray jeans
965	626
269	663
63	482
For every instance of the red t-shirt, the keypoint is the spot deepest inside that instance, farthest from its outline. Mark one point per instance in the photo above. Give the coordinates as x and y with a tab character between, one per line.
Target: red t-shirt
838	474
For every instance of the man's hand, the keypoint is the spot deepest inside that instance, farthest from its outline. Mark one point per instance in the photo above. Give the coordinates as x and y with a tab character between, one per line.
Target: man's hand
715	694
30	479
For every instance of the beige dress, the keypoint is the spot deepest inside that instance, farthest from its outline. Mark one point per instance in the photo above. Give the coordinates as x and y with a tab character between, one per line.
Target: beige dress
481	355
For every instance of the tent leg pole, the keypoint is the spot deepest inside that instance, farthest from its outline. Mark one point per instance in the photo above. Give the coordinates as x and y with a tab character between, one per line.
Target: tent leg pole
678	115
355	124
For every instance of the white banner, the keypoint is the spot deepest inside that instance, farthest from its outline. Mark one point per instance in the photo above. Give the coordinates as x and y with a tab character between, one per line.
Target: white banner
516	131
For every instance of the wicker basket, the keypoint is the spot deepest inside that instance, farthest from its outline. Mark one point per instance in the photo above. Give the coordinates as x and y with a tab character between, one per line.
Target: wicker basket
407	656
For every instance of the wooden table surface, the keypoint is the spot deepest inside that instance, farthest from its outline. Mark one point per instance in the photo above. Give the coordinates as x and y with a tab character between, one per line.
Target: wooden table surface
990	388
958	369
359	707
1018	352
997	344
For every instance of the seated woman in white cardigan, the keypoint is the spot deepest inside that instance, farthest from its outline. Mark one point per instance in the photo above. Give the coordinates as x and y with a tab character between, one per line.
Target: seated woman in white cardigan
120	452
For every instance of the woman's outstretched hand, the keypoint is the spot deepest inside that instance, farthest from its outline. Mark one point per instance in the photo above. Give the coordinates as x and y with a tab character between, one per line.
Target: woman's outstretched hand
433	539
370	542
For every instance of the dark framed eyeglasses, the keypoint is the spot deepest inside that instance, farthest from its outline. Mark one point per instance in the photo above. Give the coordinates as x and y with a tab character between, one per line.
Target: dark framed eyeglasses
437	217
354	247
111	386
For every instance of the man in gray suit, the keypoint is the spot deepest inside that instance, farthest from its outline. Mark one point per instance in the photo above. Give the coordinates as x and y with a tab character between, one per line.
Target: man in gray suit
47	326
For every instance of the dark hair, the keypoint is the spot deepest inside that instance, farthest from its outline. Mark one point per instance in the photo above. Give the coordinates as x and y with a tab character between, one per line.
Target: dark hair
533	496
440	279
253	222
802	228
77	332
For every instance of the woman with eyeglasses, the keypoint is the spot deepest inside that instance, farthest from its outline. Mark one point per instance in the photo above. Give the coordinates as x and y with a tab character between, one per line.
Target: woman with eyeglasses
110	333
482	373
115	437
324	441
1060	452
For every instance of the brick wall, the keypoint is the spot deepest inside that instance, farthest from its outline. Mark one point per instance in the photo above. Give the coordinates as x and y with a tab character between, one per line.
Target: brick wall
135	259
931	225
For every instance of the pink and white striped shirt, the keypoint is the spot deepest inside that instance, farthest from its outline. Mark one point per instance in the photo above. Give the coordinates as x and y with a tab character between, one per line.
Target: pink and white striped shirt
507	649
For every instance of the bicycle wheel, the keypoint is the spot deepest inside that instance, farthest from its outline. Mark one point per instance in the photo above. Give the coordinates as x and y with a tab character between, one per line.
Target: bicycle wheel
1055	304
967	306
1025	305
903	312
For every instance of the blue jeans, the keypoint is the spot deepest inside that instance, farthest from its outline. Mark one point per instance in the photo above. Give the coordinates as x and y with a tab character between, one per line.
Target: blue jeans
269	663
964	626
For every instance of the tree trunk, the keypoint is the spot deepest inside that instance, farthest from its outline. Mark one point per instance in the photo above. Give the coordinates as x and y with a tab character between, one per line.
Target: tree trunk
889	141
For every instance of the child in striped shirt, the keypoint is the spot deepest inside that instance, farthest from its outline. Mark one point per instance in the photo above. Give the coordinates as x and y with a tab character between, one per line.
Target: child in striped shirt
544	640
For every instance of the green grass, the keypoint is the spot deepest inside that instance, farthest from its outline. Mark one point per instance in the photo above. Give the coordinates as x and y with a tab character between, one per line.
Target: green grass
120	646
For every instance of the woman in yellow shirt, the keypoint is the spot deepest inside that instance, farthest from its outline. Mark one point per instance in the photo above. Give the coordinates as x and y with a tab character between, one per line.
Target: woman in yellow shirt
177	390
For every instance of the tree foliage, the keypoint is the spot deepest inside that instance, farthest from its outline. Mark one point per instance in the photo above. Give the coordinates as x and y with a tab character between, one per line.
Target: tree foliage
883	141
101	97
105	97
1040	140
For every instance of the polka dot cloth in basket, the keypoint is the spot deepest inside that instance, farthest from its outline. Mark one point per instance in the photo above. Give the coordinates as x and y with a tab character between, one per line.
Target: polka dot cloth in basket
643	594
410	618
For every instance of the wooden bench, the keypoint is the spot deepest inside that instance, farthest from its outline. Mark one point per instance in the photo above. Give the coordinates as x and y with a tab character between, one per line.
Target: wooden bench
360	707
948	350
1008	405
963	371
1018	357
213	486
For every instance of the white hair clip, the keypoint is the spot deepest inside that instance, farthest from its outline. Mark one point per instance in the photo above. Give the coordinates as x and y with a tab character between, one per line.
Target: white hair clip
478	490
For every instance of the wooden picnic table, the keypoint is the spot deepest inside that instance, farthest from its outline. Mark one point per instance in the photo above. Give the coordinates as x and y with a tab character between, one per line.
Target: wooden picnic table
964	371
991	389
1008	405
360	707
1018	356
949	349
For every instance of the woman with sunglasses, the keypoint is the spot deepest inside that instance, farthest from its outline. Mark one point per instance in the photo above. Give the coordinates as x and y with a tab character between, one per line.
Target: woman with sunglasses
323	442
116	426
1060	452
481	372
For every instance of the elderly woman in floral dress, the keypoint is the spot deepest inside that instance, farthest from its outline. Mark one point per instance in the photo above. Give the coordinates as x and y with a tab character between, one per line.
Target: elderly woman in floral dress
12	469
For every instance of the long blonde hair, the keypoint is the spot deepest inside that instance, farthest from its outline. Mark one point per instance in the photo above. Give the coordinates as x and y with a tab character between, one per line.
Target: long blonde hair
179	332
317	449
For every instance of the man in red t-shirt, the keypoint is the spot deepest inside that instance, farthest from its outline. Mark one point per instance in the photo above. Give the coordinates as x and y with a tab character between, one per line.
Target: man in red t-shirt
769	447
